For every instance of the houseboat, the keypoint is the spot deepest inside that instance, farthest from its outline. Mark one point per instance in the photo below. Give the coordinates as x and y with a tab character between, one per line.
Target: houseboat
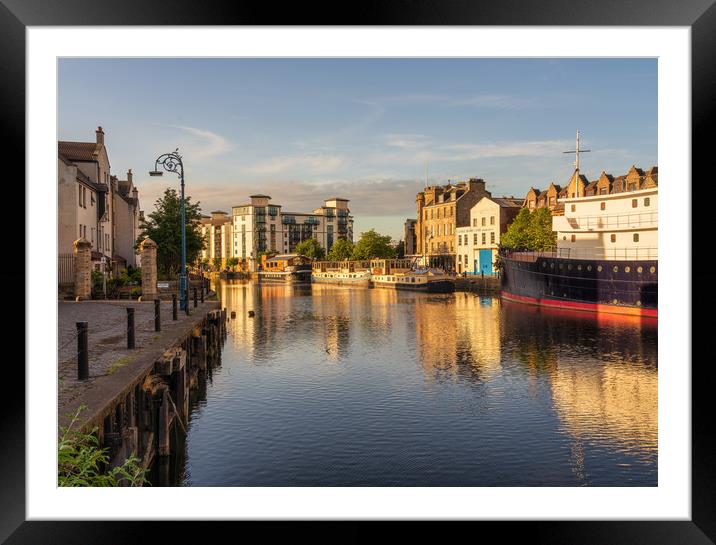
606	259
285	268
402	274
351	273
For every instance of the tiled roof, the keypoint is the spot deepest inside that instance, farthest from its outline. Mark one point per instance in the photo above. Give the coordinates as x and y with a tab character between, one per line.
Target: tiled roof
507	202
79	151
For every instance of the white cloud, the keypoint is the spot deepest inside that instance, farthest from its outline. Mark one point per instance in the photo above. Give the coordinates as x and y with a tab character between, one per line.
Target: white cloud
204	144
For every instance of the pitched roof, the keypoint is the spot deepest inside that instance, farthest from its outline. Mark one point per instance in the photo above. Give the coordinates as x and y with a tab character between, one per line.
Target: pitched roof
507	202
79	151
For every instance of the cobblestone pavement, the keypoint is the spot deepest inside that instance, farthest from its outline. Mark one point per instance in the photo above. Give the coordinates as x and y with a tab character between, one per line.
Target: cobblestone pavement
107	339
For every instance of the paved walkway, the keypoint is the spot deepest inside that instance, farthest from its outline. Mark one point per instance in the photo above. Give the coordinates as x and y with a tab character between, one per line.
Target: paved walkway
107	339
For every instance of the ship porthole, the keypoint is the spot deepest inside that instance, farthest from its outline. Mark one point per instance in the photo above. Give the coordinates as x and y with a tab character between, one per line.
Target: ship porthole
638	303
579	267
639	270
652	270
569	267
599	268
616	269
544	263
589	267
627	269
551	266
561	266
615	301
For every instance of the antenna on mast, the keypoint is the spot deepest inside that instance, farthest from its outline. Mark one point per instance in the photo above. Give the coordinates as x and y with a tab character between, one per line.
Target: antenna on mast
576	152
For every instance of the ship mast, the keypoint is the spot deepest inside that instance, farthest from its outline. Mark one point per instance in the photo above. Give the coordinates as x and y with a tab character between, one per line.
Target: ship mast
576	152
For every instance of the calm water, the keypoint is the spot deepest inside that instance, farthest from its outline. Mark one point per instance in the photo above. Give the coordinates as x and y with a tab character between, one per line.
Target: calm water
354	386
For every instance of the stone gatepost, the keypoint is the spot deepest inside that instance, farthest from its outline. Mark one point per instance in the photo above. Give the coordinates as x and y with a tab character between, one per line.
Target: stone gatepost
83	268
148	262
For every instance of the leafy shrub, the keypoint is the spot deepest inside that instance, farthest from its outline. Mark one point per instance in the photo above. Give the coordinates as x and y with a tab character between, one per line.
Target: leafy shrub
81	462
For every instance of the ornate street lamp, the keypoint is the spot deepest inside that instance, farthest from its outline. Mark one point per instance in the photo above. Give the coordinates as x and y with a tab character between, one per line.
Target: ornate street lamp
171	162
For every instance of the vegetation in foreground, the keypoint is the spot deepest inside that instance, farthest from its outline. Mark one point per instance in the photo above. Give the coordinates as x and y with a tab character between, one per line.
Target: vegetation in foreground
81	462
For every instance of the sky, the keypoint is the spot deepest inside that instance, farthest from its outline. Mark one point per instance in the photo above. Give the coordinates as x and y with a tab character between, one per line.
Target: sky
304	130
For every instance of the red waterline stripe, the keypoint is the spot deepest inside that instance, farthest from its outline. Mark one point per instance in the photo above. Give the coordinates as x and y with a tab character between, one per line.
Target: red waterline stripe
575	305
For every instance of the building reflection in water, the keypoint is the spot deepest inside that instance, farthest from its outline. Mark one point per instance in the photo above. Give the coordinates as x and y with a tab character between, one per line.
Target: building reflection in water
597	374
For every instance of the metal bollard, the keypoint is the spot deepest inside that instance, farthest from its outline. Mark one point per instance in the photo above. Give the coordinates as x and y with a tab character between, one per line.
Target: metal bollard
195	297
174	306
157	316
130	327
186	301
82	352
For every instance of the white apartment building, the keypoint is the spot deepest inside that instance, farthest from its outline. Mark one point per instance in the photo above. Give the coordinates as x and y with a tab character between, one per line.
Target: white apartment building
476	246
261	226
217	232
619	225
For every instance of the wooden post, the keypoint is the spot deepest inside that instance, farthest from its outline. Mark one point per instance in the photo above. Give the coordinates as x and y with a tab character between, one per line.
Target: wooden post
164	425
174	306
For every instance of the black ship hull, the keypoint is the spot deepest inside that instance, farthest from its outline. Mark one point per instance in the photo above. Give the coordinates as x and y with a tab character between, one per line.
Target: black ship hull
620	287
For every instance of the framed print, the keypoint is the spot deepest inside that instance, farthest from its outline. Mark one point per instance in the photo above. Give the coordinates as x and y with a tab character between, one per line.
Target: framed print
400	267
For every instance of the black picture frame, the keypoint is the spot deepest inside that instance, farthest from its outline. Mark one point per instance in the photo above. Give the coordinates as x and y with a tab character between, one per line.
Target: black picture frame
699	15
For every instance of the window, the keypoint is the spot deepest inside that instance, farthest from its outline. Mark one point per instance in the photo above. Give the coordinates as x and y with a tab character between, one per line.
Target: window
636	237
574	208
474	239
634	203
465	259
483	222
492	220
492	237
647	201
552	201
613	238
602	190
631	187
602	206
79	189
484	237
574	238
474	222
532	204
459	240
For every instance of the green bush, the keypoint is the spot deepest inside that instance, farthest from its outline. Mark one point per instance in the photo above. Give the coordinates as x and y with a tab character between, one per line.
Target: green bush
136	291
81	462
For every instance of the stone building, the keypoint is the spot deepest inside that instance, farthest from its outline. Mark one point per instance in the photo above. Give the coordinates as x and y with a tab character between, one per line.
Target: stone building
441	210
477	243
95	205
410	236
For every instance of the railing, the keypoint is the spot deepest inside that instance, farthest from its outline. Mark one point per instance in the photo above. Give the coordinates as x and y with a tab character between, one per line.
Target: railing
609	254
612	221
66	269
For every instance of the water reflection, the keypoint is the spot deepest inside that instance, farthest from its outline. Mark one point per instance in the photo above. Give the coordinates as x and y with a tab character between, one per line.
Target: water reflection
331	385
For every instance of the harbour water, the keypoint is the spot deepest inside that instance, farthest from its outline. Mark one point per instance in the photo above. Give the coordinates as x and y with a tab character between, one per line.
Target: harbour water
345	386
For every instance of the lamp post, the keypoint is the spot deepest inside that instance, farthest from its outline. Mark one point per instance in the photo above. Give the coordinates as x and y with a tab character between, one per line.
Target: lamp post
171	162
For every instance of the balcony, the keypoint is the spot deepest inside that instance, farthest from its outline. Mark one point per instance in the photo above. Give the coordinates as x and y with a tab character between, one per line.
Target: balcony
612	222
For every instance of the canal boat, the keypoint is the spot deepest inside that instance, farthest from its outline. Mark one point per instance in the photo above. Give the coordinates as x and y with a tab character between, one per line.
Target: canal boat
403	274
606	259
285	268
351	273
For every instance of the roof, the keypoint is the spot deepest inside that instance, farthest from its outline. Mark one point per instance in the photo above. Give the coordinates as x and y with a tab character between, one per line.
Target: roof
79	151
259	197
283	257
507	202
337	199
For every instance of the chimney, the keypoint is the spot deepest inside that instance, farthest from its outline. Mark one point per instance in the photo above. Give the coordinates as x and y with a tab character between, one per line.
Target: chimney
129	177
477	184
100	135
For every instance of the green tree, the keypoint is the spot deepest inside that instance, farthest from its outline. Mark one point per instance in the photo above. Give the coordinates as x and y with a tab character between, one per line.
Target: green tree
373	245
310	248
400	249
216	262
341	249
530	231
517	235
542	238
163	226
232	262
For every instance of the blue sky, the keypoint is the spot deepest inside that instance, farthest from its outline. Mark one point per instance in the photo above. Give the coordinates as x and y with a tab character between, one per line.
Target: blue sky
302	130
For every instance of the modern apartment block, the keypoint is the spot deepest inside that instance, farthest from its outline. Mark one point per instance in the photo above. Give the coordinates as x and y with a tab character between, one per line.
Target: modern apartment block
217	233
96	206
261	226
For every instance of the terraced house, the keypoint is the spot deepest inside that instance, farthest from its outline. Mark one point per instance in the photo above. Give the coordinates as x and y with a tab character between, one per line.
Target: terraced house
441	210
